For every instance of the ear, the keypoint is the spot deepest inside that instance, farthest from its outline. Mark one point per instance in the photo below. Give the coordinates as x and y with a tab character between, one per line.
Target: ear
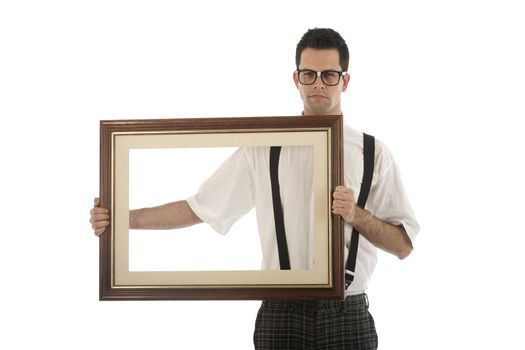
296	79
346	81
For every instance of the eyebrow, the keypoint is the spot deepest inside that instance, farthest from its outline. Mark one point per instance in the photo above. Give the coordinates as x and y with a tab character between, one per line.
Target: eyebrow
324	70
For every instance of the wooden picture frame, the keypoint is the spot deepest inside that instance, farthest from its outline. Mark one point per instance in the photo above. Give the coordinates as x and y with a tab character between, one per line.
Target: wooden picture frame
324	281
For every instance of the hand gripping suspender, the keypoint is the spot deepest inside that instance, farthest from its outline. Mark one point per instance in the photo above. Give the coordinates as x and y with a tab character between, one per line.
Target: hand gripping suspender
284	259
368	172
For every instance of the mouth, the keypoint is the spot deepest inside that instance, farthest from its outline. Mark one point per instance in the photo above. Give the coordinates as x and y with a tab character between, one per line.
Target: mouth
317	97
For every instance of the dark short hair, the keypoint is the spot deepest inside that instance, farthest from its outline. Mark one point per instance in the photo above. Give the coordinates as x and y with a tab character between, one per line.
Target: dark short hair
322	39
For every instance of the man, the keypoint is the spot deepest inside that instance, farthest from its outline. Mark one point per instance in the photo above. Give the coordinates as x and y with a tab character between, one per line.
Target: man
387	223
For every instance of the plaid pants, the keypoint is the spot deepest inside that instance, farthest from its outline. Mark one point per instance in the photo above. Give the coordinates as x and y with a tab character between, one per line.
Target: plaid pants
325	324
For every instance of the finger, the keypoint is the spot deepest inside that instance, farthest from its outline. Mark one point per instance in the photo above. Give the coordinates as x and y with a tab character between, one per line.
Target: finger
342	211
97	201
100	213
343	196
100	231
339	212
341	204
99	224
348	202
338	202
96	211
99	217
343	189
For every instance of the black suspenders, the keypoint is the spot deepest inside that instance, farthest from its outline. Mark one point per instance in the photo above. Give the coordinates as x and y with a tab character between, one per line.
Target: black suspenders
368	172
284	258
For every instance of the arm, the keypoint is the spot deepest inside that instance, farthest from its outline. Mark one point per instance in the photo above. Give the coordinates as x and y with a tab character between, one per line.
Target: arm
390	238
167	216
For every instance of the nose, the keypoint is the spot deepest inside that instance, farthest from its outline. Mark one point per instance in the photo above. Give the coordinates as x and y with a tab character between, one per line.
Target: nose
319	84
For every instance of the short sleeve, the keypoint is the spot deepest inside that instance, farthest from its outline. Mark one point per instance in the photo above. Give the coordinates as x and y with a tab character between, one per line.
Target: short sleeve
226	195
388	200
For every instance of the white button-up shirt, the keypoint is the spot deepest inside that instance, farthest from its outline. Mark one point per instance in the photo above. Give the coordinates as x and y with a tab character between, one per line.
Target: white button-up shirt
243	181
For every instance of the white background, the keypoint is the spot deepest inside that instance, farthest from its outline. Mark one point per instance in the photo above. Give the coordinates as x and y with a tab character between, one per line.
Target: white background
153	178
441	83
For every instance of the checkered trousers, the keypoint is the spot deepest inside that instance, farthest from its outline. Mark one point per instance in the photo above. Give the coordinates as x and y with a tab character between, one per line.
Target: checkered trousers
325	324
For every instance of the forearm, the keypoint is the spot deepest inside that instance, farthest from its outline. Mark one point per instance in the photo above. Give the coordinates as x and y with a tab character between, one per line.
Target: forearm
390	238
168	216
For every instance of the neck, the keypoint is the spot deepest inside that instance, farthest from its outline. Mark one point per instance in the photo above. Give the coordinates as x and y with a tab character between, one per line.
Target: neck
333	111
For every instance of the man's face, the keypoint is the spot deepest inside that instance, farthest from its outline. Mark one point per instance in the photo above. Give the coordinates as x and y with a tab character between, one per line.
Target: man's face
320	98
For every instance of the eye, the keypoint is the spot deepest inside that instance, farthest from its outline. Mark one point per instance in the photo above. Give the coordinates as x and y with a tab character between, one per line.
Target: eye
309	74
330	75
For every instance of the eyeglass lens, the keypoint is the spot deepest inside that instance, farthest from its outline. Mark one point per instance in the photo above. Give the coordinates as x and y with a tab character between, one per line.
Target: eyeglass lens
308	77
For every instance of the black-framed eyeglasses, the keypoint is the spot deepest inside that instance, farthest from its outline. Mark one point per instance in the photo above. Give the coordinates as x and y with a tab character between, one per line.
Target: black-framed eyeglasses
329	77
